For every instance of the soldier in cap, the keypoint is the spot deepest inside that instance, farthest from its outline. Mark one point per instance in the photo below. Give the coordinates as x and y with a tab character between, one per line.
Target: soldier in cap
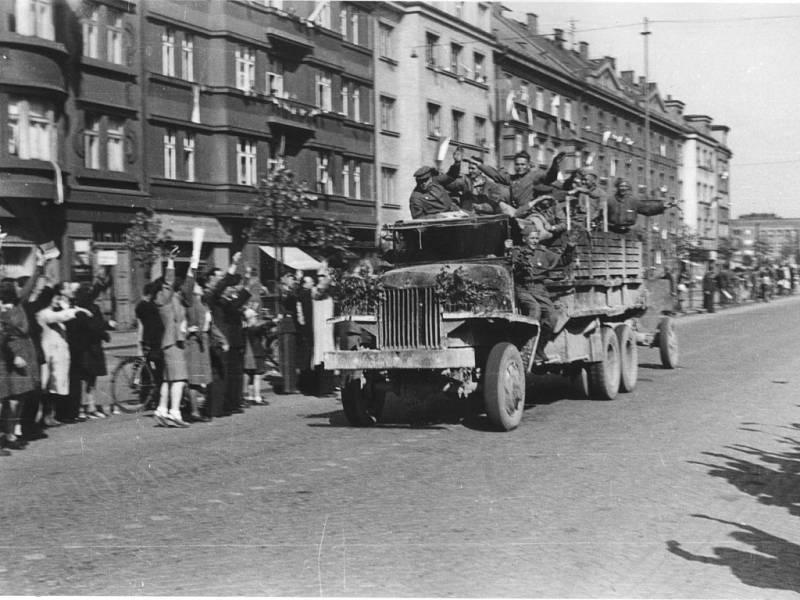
532	264
429	196
540	214
478	194
624	207
582	184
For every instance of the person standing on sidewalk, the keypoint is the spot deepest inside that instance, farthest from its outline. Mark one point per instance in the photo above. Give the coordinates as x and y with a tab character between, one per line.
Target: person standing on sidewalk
709	288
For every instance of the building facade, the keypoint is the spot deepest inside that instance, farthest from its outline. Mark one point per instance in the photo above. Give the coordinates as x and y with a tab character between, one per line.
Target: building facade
766	236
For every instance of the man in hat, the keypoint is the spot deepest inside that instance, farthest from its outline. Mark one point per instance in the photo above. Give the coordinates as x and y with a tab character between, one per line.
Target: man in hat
582	186
526	183
429	197
478	194
532	263
624	207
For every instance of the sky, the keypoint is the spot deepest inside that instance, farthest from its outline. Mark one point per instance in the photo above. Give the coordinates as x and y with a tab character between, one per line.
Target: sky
738	63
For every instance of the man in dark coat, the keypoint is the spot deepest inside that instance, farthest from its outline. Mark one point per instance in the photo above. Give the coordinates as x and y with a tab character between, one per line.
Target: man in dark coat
429	197
526	183
478	194
624	208
709	288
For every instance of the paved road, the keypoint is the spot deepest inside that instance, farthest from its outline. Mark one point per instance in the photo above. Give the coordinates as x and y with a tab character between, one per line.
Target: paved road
688	487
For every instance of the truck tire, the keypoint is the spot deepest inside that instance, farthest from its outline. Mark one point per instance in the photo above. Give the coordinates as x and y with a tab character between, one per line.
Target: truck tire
355	402
504	386
604	376
668	343
629	358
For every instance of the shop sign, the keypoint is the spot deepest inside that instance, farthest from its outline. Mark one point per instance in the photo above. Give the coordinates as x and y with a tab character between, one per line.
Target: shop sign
107	258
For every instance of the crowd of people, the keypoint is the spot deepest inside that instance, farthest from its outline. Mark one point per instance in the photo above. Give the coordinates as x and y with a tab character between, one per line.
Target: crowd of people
51	339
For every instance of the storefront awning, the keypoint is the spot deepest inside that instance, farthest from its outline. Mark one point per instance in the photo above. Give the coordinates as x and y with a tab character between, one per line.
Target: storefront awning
180	228
294	258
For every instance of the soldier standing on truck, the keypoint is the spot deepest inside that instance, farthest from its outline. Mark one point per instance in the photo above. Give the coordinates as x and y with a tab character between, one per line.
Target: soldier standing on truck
584	182
526	183
532	263
624	208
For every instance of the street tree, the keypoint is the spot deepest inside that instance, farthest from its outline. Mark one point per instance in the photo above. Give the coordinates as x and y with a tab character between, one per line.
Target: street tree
282	216
146	239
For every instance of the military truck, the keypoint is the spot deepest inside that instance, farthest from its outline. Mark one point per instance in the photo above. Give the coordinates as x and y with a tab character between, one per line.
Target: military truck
419	349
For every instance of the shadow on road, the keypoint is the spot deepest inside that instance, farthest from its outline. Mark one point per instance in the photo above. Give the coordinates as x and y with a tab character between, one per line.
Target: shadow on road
774	479
773	564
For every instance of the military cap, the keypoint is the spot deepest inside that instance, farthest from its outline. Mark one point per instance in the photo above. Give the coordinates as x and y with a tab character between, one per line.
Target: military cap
423	172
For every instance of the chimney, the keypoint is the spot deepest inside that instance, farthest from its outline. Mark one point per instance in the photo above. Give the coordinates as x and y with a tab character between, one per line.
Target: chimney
627	77
558	37
641	81
583	50
533	22
674	106
613	61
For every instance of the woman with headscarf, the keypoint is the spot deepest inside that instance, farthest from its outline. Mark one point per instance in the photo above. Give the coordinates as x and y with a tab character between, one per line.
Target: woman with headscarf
86	335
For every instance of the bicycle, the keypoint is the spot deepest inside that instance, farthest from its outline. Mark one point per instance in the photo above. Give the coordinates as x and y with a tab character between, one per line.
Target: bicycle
133	385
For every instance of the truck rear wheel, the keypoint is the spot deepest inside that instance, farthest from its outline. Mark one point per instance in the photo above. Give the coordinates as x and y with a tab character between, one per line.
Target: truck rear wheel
629	358
604	376
355	403
504	386
668	343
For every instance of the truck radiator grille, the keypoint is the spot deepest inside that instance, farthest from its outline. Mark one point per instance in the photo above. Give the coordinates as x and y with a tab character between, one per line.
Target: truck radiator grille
409	318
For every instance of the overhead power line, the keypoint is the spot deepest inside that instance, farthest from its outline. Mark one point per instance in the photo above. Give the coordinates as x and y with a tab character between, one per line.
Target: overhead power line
774	162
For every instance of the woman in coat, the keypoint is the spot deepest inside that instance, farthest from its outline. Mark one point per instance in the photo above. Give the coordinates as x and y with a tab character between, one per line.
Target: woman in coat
20	377
56	368
86	335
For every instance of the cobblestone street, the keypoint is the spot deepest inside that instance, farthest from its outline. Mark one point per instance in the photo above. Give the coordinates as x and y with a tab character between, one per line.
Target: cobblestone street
687	487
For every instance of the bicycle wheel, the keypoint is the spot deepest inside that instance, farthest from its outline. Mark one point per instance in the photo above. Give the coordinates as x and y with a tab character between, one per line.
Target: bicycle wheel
132	384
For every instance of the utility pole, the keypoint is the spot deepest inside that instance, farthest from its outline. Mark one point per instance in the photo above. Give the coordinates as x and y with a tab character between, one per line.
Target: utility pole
646	92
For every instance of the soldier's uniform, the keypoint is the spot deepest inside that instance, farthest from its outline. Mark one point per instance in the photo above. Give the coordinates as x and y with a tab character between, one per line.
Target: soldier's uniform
436	199
531	267
624	208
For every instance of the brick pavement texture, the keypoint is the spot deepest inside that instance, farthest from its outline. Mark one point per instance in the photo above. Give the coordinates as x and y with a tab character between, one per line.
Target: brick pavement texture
686	488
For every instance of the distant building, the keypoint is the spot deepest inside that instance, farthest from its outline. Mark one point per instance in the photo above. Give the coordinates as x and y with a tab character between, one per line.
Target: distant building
766	235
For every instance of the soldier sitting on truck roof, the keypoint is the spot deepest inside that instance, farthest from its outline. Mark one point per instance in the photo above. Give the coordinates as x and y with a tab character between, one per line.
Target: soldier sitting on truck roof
624	208
532	263
429	197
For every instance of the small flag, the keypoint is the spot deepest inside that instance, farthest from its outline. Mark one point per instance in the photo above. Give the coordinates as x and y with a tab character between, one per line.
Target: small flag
531	140
606	135
511	110
59	183
442	151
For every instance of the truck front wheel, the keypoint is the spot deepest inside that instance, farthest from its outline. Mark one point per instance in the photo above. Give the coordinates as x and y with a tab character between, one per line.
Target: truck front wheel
629	358
504	386
668	343
604	375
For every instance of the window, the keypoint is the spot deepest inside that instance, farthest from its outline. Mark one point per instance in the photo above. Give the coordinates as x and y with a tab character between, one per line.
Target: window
245	68
345	95
188	156
568	110
434	120
540	99
388	192
169	155
275	80
323	90
31	130
480	131
168	52
324	169
246	162
187	57
357	192
613	167
387	113
115	149
91	143
324	17
385	41
91	30
346	178
354	26
431	45
343	22
356	104
518	143
458	9
555	102
35	18
455	57
114	36
458	125
540	155
478	66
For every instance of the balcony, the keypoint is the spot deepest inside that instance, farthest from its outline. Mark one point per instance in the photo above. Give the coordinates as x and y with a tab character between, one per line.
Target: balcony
291	113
